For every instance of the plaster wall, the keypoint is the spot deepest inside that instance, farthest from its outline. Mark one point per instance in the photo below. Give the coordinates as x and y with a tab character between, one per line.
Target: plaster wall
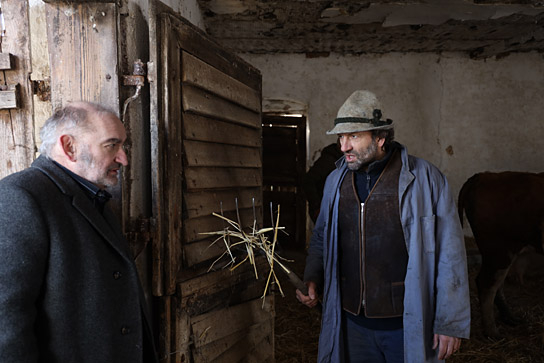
463	115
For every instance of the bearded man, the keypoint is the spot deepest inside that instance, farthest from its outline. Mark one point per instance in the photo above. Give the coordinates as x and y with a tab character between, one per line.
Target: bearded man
387	250
69	288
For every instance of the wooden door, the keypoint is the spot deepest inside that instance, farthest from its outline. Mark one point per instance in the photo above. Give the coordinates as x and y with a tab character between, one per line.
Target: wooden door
206	146
284	160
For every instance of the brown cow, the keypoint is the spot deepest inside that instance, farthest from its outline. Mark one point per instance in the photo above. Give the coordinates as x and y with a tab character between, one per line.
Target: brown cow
506	213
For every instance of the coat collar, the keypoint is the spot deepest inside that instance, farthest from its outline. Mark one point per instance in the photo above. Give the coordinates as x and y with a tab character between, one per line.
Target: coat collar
106	225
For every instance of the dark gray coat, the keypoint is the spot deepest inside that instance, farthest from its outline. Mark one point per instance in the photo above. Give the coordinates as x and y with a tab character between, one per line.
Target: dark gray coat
69	288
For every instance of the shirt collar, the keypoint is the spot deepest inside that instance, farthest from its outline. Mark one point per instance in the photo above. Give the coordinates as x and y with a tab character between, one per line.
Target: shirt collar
95	193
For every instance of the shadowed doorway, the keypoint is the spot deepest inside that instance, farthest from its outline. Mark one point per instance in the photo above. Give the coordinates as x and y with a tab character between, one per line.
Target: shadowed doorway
284	163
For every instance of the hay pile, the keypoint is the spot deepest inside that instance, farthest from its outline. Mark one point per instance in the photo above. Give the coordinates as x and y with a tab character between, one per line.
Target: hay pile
297	327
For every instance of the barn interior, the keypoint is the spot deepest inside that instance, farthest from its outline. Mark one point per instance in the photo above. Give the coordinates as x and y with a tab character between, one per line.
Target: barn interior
462	80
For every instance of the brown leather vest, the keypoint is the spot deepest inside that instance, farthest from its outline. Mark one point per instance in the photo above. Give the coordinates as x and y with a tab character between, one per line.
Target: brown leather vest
373	263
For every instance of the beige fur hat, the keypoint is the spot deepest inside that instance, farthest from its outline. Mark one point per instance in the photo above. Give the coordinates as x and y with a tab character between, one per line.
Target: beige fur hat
360	112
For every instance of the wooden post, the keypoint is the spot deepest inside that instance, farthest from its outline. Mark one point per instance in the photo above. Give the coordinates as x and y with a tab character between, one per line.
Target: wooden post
83	52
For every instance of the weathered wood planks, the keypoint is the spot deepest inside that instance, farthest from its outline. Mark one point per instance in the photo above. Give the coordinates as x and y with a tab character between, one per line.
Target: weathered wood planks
206	143
86	37
16	124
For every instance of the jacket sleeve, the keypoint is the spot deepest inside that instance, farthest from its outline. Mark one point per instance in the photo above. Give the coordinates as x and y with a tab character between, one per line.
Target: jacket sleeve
452	316
314	262
23	254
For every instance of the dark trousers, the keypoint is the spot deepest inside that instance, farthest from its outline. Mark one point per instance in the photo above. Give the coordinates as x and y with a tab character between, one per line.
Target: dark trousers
362	345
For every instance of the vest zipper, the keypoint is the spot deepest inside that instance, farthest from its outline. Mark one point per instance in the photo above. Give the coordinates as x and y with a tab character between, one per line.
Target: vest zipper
363	275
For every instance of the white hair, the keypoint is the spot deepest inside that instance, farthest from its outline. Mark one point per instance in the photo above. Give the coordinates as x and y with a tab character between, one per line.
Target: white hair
73	118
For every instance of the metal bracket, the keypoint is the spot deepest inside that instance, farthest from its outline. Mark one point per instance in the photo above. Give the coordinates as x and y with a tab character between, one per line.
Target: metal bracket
140	232
137	78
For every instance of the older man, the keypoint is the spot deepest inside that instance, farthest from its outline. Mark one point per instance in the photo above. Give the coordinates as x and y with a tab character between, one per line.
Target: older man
387	250
69	288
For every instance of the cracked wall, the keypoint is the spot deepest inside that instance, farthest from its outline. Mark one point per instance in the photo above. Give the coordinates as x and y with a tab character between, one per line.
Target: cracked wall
463	115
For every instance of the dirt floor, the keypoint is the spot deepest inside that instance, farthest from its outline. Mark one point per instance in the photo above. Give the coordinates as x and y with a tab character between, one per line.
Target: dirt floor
297	327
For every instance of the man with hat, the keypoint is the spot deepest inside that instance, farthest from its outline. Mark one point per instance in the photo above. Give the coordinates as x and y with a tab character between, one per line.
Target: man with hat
387	250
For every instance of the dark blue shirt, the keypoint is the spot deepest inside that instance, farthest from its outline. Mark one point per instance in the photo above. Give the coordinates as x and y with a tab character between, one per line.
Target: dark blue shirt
98	196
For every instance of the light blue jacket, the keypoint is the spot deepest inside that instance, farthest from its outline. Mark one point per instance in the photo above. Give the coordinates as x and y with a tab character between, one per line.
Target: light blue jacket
436	299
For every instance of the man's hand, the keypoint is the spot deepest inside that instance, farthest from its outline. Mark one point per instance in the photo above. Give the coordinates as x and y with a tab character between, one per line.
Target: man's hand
311	299
446	345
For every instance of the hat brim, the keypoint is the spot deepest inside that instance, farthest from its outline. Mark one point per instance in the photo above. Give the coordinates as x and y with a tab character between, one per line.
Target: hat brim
351	127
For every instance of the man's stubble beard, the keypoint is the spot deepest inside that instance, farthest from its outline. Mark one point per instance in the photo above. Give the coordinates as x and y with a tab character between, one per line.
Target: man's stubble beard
364	158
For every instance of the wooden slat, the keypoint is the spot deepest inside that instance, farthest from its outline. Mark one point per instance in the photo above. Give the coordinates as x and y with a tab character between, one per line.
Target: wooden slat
206	178
198	252
8	99
218	351
182	334
220	277
245	348
17	125
216	325
204	203
6	61
203	75
194	227
207	104
165	331
261	352
196	42
202	128
219	289
205	252
209	154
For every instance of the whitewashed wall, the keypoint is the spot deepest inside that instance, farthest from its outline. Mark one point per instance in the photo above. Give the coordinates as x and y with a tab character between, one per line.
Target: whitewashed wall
465	116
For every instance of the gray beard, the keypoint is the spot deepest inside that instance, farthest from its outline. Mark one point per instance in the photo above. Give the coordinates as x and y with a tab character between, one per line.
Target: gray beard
365	158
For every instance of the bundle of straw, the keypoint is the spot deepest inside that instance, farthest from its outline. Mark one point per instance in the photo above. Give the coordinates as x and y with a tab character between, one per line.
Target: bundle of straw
254	240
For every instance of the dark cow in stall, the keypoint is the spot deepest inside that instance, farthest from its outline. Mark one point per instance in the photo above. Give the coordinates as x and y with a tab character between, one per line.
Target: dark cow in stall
506	214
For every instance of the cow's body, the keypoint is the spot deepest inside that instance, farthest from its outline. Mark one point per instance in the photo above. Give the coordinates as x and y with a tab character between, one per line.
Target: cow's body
506	213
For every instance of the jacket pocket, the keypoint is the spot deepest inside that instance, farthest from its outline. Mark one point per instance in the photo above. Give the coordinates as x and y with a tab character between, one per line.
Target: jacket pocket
428	233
